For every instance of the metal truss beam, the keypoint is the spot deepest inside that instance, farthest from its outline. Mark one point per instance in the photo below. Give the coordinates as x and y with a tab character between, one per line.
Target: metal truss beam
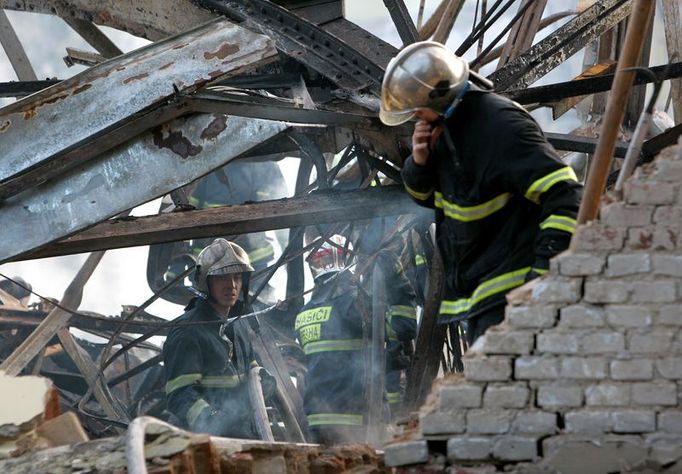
312	209
94	37
63	126
14	50
562	44
402	21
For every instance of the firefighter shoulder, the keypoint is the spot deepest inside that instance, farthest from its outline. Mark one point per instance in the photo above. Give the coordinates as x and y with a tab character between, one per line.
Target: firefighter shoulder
329	329
207	358
504	202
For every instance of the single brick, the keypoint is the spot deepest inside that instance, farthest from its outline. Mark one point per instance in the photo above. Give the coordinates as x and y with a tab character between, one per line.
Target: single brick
506	396
659	291
583	368
670	315
515	448
442	422
635	369
644	192
587	421
619	214
559	396
406	453
531	317
460	395
604	291
668	170
557	290
581	316
469	448
622	264
536	368
580	264
668	214
667	264
607	395
634	421
558	342
535	422
655	393
488	369
655	341
628	316
602	342
597	236
670	421
652	238
489	421
670	367
505	342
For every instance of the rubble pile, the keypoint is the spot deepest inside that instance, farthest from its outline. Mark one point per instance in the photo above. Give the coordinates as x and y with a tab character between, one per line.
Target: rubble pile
585	373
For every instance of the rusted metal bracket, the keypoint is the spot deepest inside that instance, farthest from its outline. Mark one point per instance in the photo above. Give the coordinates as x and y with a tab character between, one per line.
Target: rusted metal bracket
305	42
563	43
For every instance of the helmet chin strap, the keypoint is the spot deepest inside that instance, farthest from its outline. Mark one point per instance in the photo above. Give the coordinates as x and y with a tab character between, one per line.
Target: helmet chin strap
451	109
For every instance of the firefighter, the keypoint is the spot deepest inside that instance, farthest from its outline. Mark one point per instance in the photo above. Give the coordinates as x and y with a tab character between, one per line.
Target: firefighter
207	355
329	329
504	202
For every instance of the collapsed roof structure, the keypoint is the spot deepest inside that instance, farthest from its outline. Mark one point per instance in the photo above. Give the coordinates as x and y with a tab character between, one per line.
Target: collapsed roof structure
228	80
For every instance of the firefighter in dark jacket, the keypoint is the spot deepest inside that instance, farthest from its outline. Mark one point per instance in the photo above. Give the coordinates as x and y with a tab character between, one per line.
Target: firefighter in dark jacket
207	355
505	203
329	328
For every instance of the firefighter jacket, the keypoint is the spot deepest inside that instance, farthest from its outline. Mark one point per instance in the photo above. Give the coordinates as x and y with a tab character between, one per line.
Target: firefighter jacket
207	365
329	328
236	183
504	201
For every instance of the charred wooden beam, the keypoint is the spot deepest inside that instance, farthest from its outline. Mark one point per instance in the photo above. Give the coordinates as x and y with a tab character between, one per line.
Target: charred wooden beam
582	144
563	43
592	85
318	208
94	37
23	88
14	50
402	21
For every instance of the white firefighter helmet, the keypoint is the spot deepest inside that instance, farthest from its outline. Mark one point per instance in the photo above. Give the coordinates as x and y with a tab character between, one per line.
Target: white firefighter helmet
220	257
424	75
328	257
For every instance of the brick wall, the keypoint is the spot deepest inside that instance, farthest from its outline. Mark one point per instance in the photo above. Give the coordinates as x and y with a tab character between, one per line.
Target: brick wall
589	358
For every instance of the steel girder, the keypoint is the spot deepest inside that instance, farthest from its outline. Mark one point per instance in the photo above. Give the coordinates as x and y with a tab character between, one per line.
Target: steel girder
562	44
49	132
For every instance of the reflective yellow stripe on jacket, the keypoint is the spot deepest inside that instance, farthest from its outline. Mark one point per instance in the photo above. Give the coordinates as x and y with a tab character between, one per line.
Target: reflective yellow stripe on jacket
333	345
393	397
471	213
196	409
417	195
205	381
346	419
181	381
488	288
403	311
543	184
567	224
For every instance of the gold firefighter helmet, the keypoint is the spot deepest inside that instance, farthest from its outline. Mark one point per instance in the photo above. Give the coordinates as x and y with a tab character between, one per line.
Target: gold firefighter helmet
424	75
220	257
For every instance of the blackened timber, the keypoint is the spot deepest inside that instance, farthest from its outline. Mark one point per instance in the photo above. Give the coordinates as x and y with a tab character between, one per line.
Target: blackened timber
317	208
581	144
560	45
651	147
402	21
592	85
24	88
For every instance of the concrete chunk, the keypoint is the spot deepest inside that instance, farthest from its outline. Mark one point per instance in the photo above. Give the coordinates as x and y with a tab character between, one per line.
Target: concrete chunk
406	453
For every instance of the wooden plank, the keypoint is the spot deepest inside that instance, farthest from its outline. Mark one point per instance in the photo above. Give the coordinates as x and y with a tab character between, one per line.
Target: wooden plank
523	32
56	320
447	21
673	40
561	107
15	52
318	208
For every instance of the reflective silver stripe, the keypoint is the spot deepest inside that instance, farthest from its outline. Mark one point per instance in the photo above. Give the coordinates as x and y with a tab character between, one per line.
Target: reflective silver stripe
567	224
488	288
471	213
347	419
196	409
331	345
181	381
543	184
417	194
